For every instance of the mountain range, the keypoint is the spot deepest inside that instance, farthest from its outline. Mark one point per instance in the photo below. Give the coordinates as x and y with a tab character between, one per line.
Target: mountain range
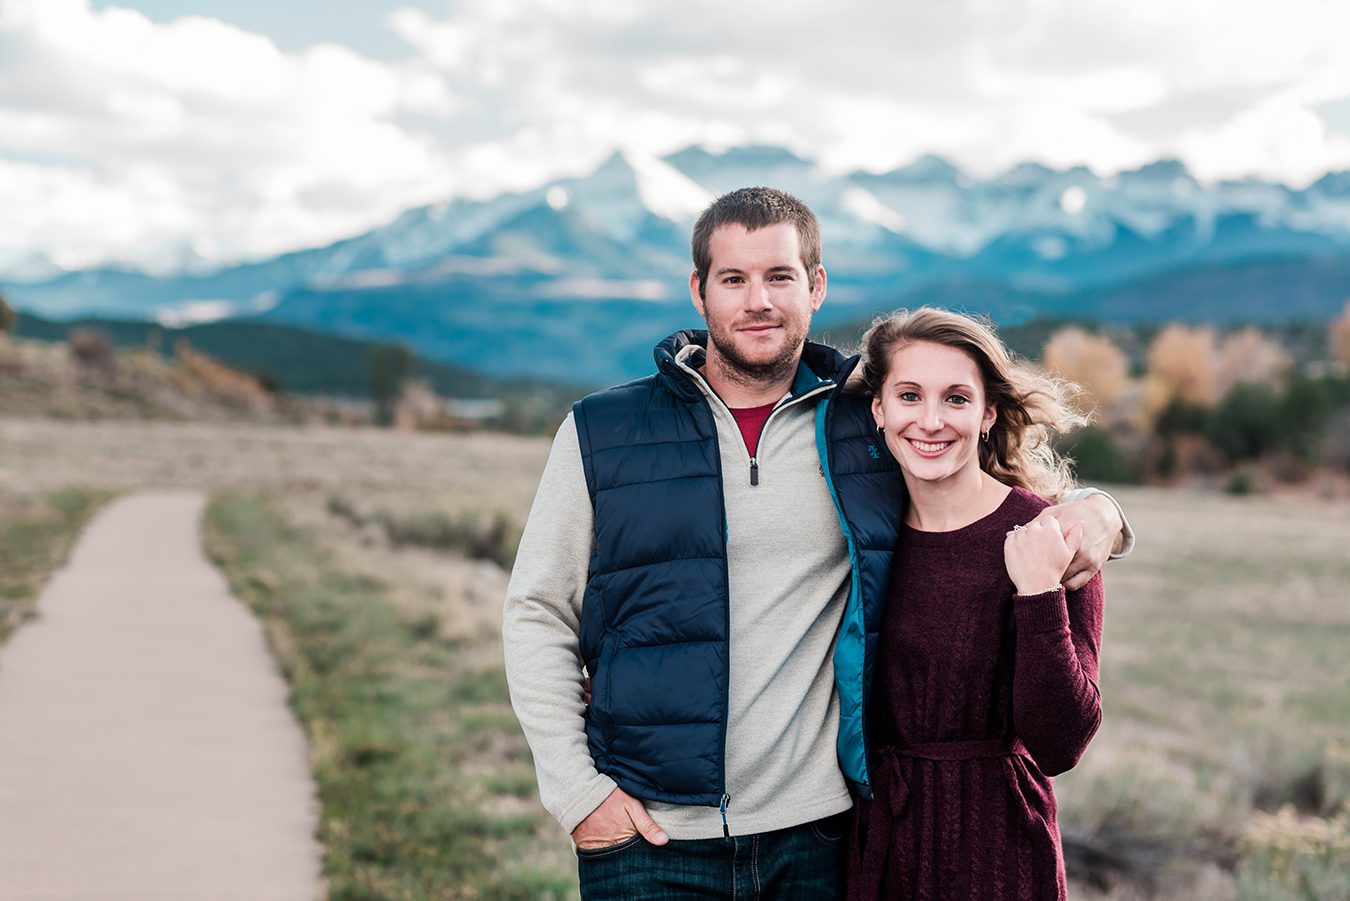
577	278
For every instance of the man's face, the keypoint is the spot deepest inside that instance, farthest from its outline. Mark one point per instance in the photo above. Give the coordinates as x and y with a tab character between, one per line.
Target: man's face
758	301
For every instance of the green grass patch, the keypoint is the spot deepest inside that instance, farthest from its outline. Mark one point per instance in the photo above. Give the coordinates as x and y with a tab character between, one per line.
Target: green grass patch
513	781
36	535
410	742
1328	705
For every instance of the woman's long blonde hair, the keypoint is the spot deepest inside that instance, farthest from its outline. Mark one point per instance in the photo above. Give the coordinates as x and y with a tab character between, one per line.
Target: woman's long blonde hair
1030	406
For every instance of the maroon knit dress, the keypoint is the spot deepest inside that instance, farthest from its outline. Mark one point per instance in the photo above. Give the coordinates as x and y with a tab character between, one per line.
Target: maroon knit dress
979	697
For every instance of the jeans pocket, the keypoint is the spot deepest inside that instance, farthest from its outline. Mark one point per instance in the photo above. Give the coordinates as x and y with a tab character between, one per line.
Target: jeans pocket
830	830
594	853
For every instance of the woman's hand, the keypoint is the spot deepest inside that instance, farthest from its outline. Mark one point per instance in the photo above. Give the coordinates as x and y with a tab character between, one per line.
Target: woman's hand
1036	554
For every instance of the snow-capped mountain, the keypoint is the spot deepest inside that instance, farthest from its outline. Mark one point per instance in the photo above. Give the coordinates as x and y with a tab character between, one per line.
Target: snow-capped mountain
519	282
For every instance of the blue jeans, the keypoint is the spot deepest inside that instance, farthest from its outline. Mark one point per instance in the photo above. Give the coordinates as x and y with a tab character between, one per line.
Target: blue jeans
804	862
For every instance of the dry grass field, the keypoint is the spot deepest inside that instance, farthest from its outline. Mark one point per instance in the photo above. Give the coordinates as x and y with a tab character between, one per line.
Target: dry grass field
1222	769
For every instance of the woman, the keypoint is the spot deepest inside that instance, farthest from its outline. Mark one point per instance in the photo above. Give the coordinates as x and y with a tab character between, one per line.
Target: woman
986	681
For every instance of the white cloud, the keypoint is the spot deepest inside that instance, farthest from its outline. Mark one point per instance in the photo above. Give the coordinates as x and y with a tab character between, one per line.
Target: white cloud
118	134
120	137
1276	138
987	82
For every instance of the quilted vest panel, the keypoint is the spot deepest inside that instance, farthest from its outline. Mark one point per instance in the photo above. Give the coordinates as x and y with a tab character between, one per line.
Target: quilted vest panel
654	617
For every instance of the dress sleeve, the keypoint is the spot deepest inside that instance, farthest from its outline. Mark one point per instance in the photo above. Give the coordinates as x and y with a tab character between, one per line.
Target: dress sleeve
1056	703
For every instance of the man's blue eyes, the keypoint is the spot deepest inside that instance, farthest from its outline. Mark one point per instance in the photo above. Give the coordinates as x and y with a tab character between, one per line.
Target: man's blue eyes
736	279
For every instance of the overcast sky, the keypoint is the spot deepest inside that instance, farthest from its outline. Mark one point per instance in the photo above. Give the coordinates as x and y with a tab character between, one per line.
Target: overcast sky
136	129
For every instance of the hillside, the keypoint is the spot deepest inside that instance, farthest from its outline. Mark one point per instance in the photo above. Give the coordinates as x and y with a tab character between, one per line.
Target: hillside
87	378
246	370
295	360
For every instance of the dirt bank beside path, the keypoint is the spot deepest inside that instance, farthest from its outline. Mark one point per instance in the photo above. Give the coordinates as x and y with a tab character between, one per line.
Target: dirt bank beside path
146	748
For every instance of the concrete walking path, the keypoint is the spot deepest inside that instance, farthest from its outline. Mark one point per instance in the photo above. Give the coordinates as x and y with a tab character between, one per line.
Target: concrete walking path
146	749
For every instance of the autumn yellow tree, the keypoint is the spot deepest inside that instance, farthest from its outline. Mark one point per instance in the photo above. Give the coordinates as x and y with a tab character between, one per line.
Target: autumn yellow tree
1340	337
1093	362
7	317
1181	367
1248	357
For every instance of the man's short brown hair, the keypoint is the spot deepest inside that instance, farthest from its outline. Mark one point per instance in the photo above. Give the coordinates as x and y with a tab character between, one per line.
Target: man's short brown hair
753	209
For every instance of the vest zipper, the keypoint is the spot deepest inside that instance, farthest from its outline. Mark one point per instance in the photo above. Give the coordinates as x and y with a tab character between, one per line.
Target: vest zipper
754	471
726	831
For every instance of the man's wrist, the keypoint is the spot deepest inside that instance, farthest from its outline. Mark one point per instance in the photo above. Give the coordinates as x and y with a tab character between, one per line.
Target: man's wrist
597	790
1124	540
1110	513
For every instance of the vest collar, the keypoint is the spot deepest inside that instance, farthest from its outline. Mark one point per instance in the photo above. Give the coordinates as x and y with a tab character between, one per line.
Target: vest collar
820	364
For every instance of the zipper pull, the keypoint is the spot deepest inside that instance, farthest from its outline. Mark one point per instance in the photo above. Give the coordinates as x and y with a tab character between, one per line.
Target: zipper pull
726	832
754	471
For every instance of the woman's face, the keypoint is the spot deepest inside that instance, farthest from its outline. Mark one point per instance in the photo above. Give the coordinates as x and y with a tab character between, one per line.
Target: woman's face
932	409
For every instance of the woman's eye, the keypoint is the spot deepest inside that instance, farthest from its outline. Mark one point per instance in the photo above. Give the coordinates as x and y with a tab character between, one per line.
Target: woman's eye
908	396
958	399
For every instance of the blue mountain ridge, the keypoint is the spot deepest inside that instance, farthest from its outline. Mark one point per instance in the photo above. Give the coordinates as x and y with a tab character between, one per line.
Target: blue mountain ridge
577	278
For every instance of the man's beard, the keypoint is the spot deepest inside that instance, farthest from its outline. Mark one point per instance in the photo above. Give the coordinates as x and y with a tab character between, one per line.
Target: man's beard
735	368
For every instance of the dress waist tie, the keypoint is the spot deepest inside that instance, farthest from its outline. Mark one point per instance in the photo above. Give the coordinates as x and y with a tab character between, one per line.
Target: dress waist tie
892	804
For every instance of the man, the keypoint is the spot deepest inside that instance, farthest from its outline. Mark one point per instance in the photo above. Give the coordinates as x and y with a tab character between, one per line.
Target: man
708	545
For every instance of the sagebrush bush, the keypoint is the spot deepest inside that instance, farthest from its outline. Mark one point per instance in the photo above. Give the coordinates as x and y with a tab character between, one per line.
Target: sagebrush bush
1286	855
1139	823
476	535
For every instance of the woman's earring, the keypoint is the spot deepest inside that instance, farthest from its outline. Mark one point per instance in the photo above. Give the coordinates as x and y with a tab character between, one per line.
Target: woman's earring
984	436
881	430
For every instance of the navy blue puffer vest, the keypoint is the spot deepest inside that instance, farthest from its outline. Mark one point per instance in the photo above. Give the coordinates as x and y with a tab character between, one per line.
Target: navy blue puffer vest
654	624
